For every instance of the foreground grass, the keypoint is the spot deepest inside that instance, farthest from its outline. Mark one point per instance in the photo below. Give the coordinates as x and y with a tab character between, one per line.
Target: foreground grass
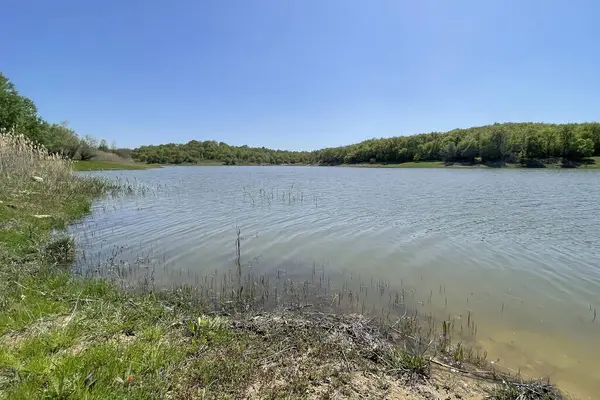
110	165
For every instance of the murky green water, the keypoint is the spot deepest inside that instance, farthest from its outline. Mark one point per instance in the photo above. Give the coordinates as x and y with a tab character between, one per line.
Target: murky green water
520	249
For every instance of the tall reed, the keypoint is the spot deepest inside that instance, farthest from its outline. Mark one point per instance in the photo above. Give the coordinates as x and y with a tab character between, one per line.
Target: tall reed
28	167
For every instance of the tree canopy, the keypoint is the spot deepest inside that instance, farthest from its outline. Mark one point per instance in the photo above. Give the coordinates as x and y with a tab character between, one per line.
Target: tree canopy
197	151
19	114
508	142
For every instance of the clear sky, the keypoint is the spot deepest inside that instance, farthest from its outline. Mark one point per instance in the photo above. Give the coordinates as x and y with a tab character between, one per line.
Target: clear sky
301	74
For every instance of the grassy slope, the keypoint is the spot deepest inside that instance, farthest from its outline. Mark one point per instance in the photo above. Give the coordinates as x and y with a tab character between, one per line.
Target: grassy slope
109	165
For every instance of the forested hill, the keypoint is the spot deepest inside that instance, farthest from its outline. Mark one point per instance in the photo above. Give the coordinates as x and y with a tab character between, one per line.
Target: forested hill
508	142
210	150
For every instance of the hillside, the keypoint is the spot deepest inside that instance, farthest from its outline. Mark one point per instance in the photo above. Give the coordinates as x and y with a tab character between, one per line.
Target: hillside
528	143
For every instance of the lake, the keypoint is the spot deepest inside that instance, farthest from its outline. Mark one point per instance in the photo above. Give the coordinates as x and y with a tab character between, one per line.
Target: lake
519	249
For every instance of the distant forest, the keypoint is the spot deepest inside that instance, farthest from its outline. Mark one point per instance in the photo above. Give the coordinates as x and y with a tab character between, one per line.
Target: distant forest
528	143
508	142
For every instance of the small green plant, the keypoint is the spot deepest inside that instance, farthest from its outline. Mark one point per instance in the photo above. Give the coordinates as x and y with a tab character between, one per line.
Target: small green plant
60	250
207	330
458	354
412	365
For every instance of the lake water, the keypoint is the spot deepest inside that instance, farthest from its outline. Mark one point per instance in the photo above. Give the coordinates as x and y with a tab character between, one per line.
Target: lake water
519	249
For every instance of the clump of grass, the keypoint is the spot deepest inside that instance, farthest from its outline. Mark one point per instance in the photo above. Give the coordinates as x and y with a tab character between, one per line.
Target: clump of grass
207	329
532	390
411	365
60	249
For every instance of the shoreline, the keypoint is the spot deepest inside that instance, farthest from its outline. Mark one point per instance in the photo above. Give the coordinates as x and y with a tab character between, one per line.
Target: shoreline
109	165
593	163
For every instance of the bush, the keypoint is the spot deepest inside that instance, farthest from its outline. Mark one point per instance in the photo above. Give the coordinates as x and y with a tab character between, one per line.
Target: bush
87	148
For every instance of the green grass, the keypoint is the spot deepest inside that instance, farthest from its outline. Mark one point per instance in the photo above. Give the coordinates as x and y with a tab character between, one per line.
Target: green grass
67	337
110	165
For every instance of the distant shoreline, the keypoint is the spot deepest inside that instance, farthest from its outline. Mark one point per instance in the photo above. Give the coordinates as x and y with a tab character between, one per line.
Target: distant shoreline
590	163
111	165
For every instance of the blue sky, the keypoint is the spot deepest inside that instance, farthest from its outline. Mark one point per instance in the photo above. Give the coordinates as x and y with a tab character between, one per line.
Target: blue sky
301	74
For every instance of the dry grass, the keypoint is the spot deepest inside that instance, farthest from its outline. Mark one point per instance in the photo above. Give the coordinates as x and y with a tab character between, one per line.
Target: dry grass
28	168
110	157
21	160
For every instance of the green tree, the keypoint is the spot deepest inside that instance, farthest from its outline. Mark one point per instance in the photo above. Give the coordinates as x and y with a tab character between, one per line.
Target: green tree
468	149
567	141
19	114
448	152
87	148
549	139
583	148
61	139
103	146
494	145
592	131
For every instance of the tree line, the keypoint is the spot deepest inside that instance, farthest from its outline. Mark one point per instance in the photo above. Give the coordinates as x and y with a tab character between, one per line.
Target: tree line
197	151
498	143
508	142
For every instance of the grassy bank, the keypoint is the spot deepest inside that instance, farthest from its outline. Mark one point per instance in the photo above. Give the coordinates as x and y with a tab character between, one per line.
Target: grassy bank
110	165
68	336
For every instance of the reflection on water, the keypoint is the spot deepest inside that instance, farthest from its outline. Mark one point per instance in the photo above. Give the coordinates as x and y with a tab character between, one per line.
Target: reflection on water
517	249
